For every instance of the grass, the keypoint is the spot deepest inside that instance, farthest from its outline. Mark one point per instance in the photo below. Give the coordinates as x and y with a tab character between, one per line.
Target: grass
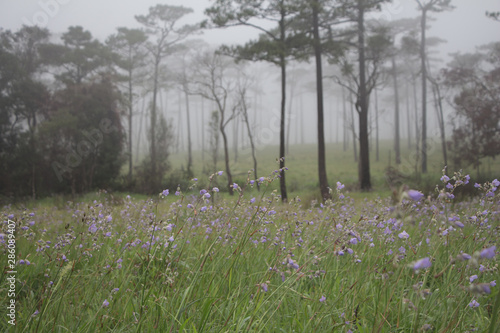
189	263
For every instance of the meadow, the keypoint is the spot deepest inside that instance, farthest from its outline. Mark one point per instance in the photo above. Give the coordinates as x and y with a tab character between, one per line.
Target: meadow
192	259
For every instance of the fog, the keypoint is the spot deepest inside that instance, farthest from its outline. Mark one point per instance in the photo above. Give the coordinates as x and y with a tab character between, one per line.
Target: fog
463	29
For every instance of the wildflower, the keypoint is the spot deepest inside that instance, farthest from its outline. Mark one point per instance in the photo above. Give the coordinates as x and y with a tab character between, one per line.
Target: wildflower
389	252
353	241
21	262
115	290
164	193
235	186
472	278
445	179
215	189
459	224
252	200
264	286
422	263
404	235
261	179
495	183
322	299
220	173
35	313
93	229
105	304
463	256
402	250
207	195
476	185
467	178
204	208
488	253
340	186
415	195
202	192
474	304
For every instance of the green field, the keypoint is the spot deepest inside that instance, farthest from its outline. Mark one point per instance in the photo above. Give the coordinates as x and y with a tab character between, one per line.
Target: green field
199	261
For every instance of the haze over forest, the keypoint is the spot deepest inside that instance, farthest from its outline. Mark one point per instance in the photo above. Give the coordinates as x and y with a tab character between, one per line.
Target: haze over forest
180	100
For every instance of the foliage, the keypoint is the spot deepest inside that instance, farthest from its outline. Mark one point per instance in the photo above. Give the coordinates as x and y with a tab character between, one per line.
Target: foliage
476	80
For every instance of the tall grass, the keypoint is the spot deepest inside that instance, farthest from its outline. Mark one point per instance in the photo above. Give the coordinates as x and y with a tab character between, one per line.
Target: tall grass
199	262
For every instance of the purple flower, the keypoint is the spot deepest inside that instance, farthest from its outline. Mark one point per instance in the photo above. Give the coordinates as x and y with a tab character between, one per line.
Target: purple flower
422	263
459	224
21	262
445	179
252	200
105	304
204	208
115	290
404	235
35	313
484	288
415	195
488	253
474	304
353	241
322	299
203	192
165	193
467	178
235	186
215	189
495	182
340	186
264	286
93	229
476	185
464	256
402	250
472	278
493	283
220	173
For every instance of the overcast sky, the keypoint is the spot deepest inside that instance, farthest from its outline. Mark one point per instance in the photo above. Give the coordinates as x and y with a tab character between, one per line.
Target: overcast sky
464	28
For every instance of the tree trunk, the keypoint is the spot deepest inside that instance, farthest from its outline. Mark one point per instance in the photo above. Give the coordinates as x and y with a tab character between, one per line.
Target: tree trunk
188	119
362	105
424	91
252	145
397	147
130	110
323	181
284	196
154	180
377	148
408	115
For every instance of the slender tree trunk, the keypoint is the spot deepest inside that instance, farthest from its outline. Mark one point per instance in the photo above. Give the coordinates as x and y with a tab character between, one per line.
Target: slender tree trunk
353	131
408	115
154	180
377	148
252	145
202	129
290	103
188	119
284	196
397	147
424	91
323	181
344	111
362	105
130	112
439	110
